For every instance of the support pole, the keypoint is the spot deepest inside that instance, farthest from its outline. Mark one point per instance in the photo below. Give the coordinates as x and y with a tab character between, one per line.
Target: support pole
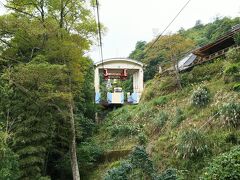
97	81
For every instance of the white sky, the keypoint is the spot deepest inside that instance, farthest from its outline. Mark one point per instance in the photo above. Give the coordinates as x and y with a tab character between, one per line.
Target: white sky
128	21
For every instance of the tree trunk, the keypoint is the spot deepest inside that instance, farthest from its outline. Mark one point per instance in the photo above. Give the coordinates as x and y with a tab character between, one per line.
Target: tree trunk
178	78
61	15
74	162
175	66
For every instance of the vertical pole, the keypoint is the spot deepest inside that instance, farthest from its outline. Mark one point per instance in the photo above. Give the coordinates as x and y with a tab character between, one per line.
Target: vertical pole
140	80
97	81
134	83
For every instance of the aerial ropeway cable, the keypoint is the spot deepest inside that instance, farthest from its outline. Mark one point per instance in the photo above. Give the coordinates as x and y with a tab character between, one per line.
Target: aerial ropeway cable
99	32
159	36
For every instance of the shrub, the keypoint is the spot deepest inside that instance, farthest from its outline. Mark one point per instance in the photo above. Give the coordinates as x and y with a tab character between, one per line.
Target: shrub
140	160
186	78
161	119
9	165
146	110
203	72
168	85
200	97
231	69
179	117
88	153
119	173
123	130
233	55
192	144
236	87
138	166
169	174
142	139
232	73
160	101
148	94
225	166
230	114
237	38
232	138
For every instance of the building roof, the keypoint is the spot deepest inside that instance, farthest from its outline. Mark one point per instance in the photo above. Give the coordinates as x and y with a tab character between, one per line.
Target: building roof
186	62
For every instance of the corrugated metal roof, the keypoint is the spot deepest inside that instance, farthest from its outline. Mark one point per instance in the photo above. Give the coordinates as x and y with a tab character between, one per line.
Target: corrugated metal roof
186	62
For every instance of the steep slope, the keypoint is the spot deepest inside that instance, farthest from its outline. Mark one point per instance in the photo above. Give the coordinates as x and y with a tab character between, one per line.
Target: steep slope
181	129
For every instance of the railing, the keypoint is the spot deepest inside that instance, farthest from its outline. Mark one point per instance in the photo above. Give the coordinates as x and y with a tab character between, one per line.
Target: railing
200	60
212	56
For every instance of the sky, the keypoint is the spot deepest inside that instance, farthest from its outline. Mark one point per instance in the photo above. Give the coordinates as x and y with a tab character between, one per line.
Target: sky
129	21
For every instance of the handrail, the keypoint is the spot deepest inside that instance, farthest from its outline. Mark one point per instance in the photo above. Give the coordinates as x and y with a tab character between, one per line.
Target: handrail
213	56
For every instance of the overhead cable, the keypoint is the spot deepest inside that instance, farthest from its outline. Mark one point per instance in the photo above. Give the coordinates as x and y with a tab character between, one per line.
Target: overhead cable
185	5
99	31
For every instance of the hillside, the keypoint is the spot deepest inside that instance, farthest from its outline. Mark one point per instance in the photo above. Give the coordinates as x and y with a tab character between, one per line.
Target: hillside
182	131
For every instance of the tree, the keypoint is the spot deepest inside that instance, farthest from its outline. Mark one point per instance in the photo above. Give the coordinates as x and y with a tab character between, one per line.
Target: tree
177	46
43	44
170	48
138	53
198	24
9	167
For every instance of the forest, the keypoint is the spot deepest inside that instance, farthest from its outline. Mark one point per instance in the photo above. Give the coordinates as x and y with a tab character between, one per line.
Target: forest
46	88
185	129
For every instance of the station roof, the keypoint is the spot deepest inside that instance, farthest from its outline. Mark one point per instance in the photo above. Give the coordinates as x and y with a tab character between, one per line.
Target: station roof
118	60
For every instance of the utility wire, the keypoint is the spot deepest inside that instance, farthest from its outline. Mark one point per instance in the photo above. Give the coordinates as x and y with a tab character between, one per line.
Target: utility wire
168	25
99	31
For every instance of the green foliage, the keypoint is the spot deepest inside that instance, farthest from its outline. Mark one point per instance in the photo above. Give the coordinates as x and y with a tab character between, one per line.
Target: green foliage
127	85
159	86
236	87
44	72
179	117
225	166
120	172
232	138
232	73
167	85
200	97
148	94
233	55
142	139
160	101
123	130
146	111
237	38
88	155
230	114
192	144
120	115
140	160
160	120
202	73
138	53
36	126
152	67
138	165
85	127
9	165
225	23
231	69
169	174
203	34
